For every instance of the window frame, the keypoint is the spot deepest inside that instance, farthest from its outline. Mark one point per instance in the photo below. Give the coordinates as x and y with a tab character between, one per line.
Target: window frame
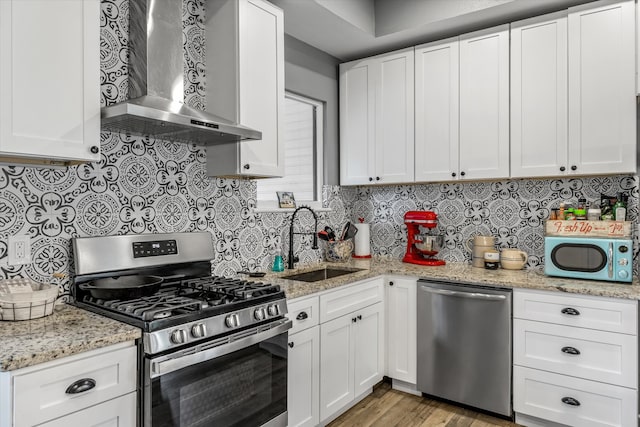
318	145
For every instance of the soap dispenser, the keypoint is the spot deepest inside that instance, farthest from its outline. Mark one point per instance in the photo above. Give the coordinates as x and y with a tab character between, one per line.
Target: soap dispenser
278	262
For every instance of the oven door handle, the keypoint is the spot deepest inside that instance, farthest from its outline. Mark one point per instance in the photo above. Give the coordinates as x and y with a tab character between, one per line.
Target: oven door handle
166	364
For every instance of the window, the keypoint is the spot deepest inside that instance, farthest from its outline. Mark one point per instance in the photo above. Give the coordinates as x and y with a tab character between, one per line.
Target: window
303	123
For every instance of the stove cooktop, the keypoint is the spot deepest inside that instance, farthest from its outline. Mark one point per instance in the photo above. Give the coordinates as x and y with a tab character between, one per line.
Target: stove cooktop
186	300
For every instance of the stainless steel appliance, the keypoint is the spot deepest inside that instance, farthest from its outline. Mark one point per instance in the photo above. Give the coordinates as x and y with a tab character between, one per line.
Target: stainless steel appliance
464	344
213	350
156	71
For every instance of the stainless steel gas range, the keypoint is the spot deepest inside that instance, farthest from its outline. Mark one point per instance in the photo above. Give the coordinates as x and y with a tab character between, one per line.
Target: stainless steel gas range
214	349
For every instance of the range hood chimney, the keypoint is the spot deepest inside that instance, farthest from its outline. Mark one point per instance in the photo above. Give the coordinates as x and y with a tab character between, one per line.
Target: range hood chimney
156	78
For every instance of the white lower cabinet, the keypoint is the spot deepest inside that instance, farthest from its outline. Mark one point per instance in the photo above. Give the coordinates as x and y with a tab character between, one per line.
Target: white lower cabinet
351	357
572	401
351	345
401	329
98	386
575	360
119	412
303	401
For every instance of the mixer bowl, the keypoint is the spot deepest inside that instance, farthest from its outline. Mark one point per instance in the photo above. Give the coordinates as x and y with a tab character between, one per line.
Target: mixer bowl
428	244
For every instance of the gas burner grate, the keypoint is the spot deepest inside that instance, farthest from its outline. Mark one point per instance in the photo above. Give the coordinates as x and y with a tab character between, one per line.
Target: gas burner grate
230	289
151	307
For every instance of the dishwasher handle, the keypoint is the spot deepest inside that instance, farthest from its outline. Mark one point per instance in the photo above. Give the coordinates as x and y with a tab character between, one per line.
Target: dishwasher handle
461	294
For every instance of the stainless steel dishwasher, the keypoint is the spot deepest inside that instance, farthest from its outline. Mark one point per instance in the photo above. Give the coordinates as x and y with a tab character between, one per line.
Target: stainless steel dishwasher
464	344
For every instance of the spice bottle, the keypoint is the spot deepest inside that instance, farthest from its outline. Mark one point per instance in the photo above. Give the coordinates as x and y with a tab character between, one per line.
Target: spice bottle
581	210
561	211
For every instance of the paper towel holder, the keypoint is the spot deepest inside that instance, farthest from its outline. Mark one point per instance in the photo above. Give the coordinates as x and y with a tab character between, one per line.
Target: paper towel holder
361	240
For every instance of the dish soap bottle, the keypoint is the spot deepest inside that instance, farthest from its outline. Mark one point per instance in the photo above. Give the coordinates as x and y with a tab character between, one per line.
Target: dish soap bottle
278	262
620	209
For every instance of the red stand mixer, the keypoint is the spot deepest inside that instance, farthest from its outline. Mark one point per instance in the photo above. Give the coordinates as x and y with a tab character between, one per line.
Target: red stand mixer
422	247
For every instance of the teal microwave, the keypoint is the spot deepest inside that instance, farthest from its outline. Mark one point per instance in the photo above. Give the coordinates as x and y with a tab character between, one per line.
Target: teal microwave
594	258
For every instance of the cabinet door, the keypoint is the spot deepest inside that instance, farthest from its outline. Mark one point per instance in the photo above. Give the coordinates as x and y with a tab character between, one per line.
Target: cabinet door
304	378
484	104
602	97
357	126
261	77
394	116
539	96
368	342
336	365
436	98
401	329
120	412
49	79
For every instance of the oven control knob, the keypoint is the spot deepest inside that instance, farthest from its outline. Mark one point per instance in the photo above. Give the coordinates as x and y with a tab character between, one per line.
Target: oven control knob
273	310
179	336
232	321
199	330
259	314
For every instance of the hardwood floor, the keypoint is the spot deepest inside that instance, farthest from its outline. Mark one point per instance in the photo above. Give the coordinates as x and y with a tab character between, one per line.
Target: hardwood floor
386	407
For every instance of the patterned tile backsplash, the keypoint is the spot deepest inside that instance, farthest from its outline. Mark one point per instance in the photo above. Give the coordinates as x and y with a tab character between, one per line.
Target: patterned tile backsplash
143	185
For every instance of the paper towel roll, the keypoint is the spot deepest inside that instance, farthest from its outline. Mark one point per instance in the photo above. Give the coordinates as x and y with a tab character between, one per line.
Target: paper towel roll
361	241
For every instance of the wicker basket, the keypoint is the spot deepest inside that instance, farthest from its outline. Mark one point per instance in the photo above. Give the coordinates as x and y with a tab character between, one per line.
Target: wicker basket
338	251
23	299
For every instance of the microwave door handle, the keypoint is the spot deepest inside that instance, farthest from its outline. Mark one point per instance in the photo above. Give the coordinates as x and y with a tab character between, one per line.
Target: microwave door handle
610	255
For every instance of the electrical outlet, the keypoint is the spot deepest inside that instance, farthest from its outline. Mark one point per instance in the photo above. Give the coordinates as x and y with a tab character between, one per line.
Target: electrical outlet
19	250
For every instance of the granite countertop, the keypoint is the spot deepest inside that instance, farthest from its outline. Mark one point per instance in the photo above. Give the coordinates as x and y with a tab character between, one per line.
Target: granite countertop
69	330
456	272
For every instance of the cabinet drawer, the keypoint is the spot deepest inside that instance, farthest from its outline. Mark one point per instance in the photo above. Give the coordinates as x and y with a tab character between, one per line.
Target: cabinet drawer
605	314
543	394
119	412
584	353
40	395
304	313
346	300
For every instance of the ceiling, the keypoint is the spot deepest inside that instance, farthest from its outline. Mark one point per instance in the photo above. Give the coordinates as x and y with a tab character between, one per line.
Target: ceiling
350	29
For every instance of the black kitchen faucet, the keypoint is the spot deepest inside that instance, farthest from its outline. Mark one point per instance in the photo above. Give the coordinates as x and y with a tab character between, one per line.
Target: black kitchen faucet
291	258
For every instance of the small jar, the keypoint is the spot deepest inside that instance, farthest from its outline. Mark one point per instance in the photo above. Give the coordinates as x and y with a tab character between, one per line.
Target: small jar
593	214
491	260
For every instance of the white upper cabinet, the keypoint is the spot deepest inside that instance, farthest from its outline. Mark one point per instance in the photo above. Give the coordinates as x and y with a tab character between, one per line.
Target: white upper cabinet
539	96
245	83
49	81
484	104
602	101
436	100
377	119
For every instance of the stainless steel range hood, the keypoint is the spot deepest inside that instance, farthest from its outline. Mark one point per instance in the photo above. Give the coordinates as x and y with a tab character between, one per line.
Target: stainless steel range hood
156	84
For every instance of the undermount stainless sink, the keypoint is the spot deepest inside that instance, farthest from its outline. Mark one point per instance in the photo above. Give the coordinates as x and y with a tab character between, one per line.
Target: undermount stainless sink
321	274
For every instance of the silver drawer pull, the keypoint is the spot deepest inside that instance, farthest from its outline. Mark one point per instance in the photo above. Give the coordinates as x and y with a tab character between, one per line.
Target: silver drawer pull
81	386
570	401
570	311
570	350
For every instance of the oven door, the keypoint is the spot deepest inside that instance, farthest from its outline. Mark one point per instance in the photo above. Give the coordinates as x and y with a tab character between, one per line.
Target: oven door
238	380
